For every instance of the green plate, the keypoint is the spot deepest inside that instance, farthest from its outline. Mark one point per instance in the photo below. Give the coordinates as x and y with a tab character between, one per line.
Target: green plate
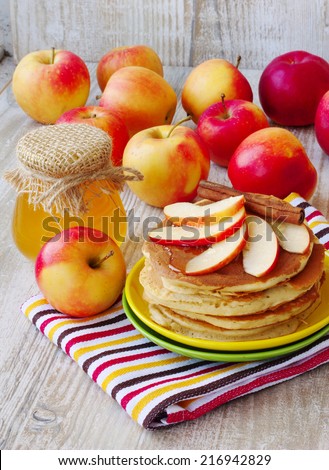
218	356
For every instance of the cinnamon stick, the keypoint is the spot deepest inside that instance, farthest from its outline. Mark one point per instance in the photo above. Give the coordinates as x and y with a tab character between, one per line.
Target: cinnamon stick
260	204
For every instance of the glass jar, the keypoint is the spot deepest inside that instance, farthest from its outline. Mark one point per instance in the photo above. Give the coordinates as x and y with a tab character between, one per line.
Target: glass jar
32	227
65	179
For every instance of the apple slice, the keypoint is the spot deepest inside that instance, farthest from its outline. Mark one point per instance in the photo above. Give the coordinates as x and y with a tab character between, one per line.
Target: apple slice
219	254
187	213
261	252
203	235
293	238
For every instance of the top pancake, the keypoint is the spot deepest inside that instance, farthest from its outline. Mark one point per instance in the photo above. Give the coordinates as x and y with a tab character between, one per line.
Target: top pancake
169	262
208	302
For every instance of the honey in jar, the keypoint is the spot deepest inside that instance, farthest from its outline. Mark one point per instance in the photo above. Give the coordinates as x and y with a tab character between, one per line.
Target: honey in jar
65	178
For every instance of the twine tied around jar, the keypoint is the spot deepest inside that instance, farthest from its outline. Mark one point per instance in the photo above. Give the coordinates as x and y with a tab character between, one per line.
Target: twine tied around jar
57	163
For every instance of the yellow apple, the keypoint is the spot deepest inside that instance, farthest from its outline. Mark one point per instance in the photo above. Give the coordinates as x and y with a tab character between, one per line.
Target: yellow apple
141	97
124	56
208	81
81	271
49	82
172	164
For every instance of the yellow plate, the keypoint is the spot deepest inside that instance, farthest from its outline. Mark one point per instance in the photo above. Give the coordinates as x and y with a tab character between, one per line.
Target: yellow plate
317	320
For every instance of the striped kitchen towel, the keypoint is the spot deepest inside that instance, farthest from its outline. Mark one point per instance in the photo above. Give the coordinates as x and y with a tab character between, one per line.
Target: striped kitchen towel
154	386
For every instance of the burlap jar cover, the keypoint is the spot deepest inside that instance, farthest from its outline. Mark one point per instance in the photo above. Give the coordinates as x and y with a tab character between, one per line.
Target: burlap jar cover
57	163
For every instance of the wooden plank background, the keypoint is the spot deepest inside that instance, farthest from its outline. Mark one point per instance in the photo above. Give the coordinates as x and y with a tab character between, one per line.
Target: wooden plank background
183	32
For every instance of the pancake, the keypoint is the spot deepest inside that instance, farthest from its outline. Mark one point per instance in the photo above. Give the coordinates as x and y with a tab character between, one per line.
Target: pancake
201	330
205	302
170	261
270	317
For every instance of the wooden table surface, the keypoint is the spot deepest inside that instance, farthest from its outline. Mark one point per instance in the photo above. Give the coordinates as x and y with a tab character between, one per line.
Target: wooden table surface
48	402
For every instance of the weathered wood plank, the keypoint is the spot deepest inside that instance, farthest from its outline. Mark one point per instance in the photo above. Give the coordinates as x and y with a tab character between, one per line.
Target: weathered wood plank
258	30
183	32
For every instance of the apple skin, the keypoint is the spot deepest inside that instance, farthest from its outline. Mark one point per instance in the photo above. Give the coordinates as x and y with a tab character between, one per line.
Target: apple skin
45	90
103	119
208	81
291	87
124	56
321	124
223	126
140	97
172	167
272	161
65	277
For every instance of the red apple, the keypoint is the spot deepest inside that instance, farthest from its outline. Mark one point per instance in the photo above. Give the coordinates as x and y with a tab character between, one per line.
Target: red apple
198	236
173	160
224	125
104	119
124	56
47	83
140	97
261	252
208	81
321	124
291	87
272	161
81	271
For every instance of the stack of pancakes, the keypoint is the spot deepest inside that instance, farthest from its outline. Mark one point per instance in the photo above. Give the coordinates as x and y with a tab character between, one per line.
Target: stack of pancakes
229	304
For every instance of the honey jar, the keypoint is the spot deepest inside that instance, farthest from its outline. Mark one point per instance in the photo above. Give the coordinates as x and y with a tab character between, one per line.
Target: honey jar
65	178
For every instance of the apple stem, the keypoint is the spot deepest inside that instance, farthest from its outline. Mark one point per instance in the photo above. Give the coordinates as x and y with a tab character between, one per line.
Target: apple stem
99	262
224	106
52	55
187	118
238	60
98	97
